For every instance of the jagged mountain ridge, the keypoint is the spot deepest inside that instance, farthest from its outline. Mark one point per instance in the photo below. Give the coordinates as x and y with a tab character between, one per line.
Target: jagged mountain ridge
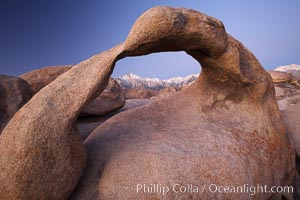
131	80
287	68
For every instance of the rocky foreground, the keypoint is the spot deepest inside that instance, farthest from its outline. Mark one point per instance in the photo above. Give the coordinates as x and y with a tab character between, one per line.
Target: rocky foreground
227	127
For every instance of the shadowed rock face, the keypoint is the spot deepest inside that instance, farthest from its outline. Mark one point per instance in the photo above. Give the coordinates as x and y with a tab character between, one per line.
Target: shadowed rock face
39	78
14	93
140	93
111	99
288	98
224	129
291	118
86	125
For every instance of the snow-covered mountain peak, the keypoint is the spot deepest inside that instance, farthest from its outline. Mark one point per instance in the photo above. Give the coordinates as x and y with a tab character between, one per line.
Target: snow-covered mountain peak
287	68
134	81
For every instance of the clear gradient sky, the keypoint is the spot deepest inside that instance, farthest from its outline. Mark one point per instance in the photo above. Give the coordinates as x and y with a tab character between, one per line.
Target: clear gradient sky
37	33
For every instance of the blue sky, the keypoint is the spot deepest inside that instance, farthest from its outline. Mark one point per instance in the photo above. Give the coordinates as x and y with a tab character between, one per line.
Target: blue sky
37	33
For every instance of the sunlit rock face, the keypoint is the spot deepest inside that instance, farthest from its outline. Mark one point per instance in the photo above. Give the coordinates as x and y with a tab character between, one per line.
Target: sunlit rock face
224	129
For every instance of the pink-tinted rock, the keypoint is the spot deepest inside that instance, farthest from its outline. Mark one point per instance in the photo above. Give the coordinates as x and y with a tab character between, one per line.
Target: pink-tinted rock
286	95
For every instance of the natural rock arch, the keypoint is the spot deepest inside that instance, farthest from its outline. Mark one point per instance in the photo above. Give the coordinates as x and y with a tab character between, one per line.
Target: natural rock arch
231	106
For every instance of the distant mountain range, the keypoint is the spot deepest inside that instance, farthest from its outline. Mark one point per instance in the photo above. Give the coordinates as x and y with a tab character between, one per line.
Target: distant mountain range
134	81
287	68
131	80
